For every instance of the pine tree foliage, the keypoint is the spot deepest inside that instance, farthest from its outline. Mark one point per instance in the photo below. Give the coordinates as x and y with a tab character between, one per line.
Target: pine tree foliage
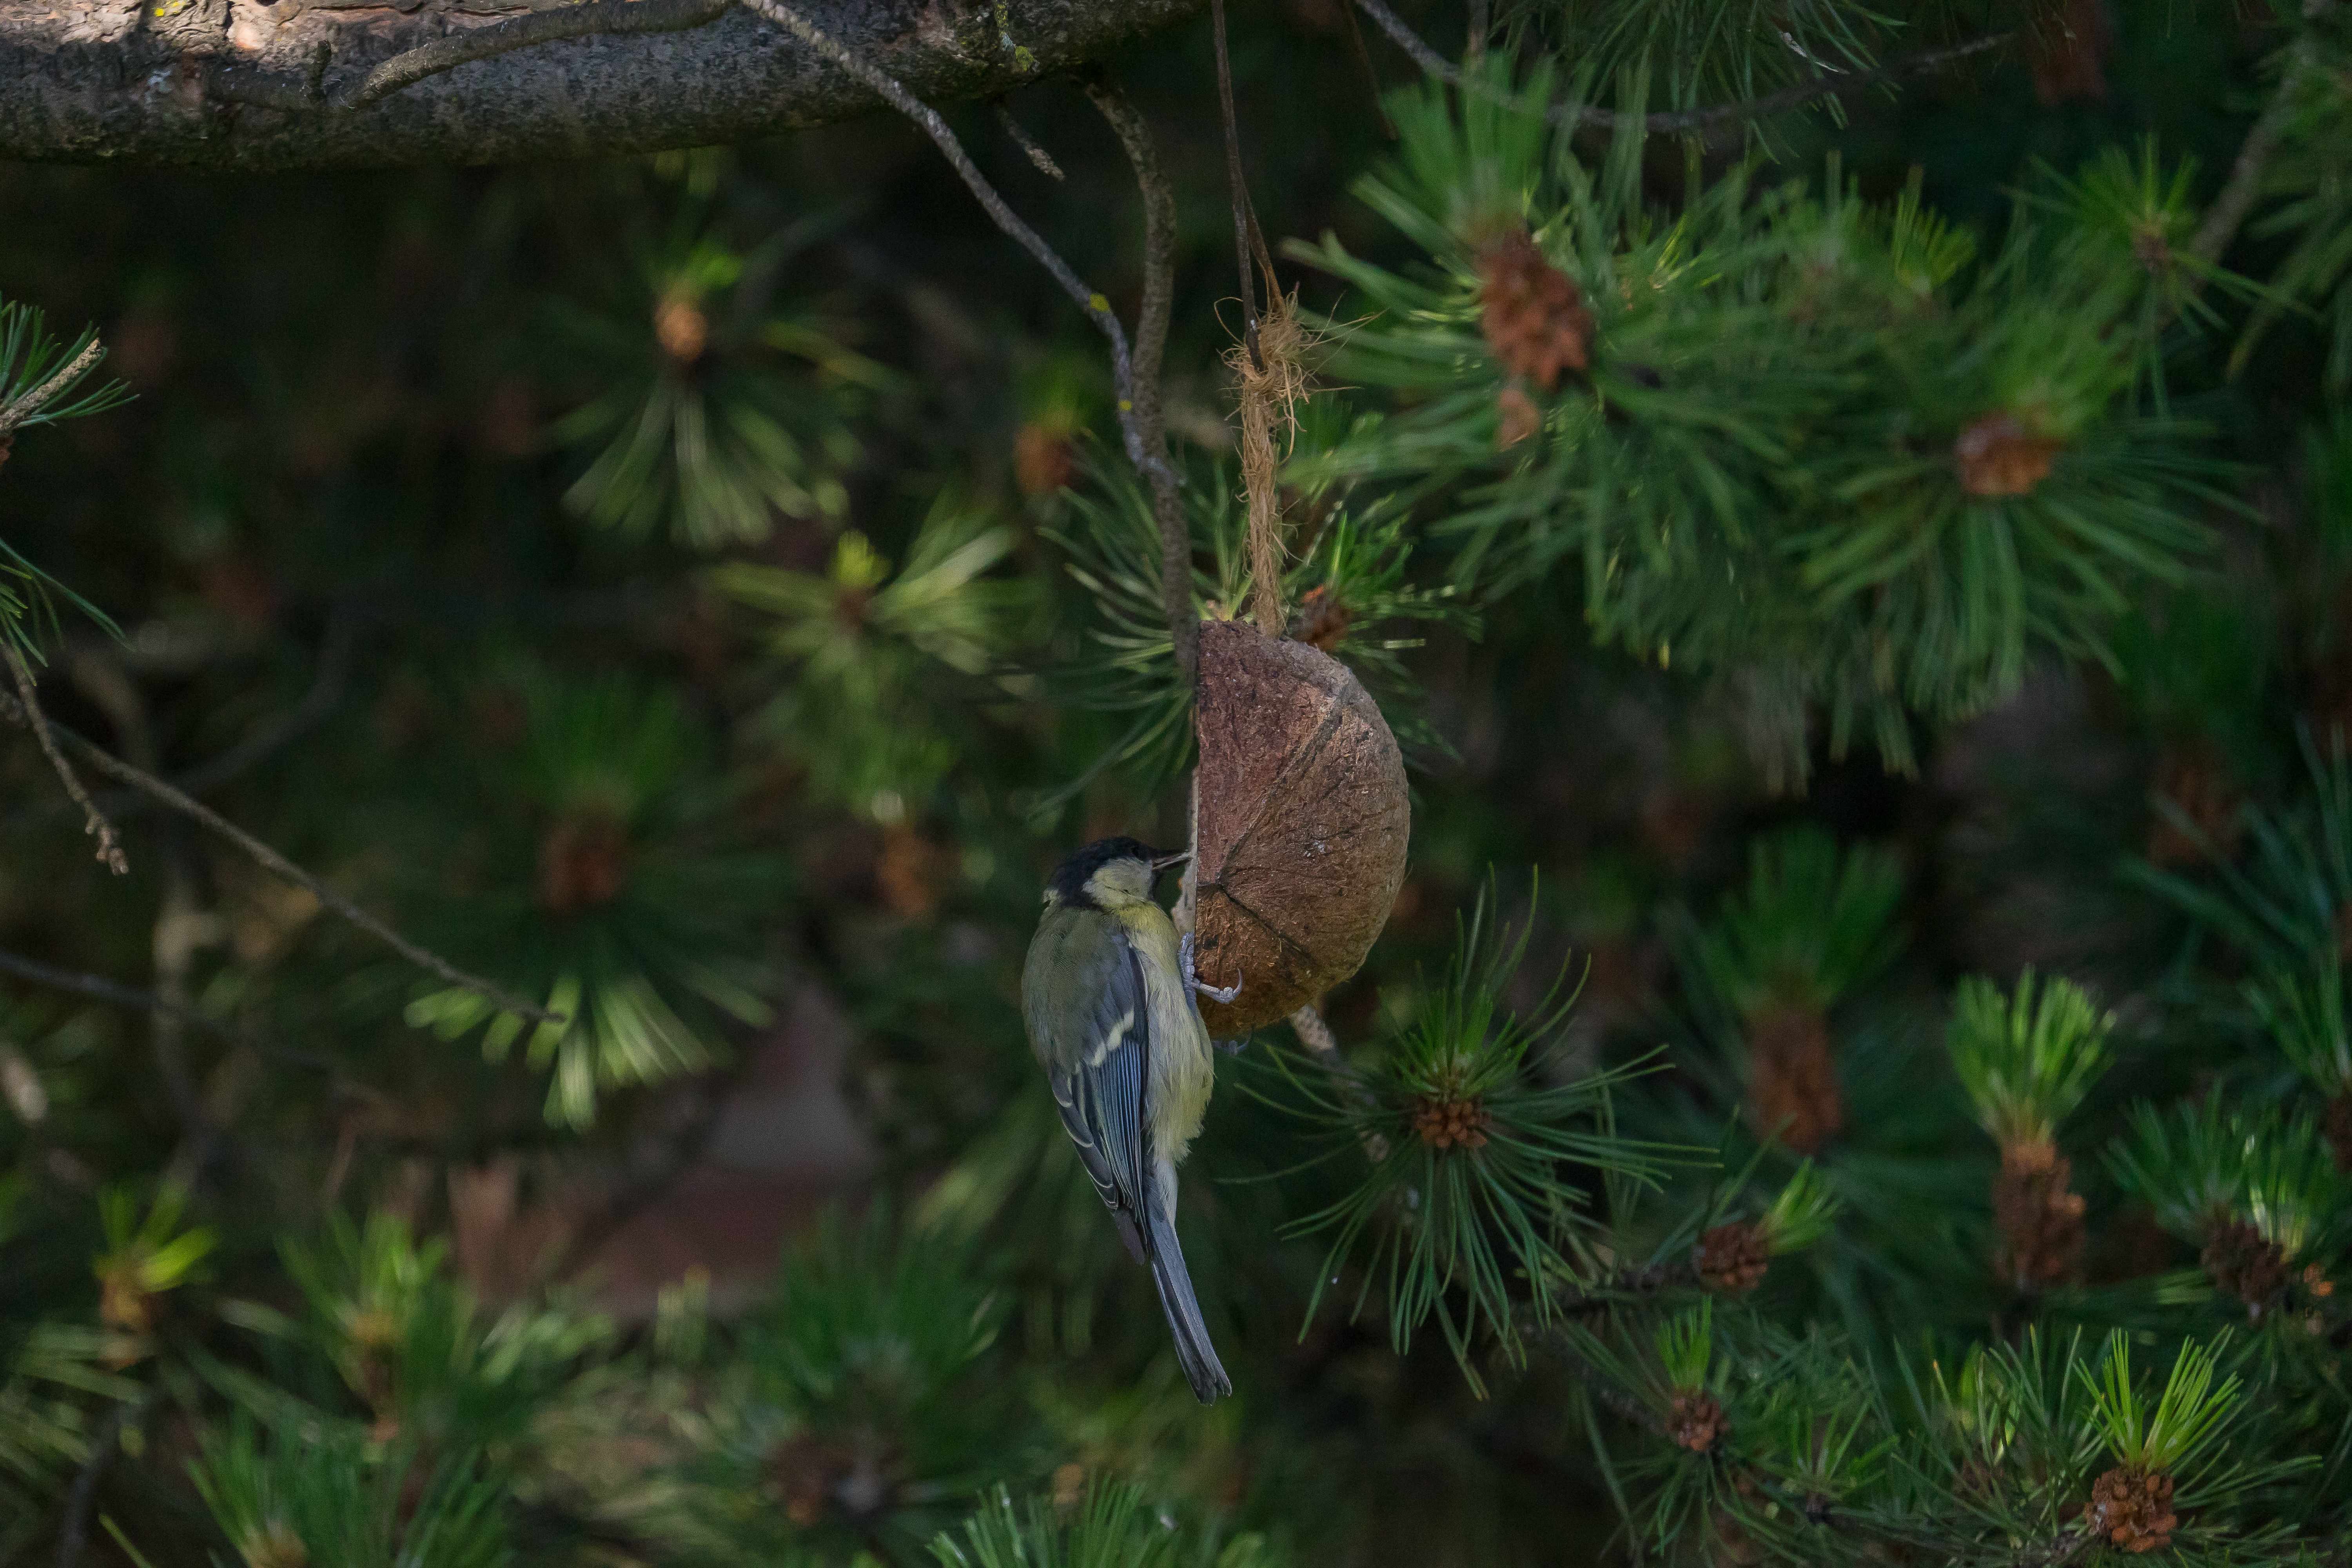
1953	1164
1820	447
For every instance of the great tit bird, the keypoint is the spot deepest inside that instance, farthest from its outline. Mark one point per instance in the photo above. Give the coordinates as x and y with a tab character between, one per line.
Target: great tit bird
1108	997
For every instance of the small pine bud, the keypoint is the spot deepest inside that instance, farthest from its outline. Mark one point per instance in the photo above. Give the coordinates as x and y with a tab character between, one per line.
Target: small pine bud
2038	1217
1044	460
1320	620
2133	1509
1732	1258
1997	456
583	862
1450	1123
1793	1082
681	329
274	1545
2239	1261
1695	1420
1531	311
1517	417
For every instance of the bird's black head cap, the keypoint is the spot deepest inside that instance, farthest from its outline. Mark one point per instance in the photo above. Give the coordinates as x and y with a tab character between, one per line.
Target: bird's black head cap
1069	878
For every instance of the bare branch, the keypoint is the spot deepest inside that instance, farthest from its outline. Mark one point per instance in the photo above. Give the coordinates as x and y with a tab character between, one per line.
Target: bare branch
1097	308
1150	352
25	708
1827	84
1041	160
2237	196
600	78
100	989
588	19
270	859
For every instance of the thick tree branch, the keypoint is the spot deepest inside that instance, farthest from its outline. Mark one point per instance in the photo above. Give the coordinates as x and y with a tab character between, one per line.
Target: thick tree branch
1667	121
245	85
592	18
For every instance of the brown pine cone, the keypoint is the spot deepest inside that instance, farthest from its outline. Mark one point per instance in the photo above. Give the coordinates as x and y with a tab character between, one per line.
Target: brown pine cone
1695	1419
1533	315
2238	1259
2133	1508
1732	1258
2039	1217
1793	1082
1450	1123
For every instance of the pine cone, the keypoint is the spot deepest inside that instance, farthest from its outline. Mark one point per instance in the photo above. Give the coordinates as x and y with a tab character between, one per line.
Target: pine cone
1695	1419
1999	457
2238	1259
1450	1123
1793	1084
2337	1127
1732	1258
2039	1217
2133	1508
1533	316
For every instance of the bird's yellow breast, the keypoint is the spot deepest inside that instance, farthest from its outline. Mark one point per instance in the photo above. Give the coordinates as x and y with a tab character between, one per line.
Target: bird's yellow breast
1183	1068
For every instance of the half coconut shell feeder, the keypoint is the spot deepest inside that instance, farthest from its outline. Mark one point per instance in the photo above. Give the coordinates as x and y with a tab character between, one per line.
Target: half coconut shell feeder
1302	821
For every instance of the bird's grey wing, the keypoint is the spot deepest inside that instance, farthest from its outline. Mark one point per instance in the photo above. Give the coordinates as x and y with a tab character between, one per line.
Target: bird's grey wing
1099	1084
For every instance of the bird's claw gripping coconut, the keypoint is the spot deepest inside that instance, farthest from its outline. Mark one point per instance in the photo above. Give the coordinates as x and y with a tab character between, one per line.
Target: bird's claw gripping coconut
1192	981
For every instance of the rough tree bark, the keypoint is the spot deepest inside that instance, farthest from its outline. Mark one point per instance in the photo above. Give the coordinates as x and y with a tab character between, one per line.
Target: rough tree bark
251	85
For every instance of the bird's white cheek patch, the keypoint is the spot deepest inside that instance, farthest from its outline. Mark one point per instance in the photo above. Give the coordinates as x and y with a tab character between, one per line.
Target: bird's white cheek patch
1110	1041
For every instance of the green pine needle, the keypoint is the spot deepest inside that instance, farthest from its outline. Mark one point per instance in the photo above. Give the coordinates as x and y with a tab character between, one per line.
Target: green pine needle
2188	1417
1465	1211
2026	1061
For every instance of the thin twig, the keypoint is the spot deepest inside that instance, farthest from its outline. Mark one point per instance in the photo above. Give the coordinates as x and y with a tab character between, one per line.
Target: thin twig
1150	351
277	865
1041	160
2238	196
325	694
591	18
26	707
1097	308
22	408
1827	84
1237	183
98	988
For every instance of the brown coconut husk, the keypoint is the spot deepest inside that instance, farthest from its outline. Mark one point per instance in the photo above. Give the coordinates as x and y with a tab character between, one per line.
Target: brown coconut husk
1300	827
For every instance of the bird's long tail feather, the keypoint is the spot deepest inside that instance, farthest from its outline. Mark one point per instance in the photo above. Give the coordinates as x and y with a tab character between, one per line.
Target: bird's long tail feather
1194	1352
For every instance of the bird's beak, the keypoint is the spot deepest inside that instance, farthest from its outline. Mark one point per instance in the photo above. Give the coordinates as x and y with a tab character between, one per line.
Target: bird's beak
1176	860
